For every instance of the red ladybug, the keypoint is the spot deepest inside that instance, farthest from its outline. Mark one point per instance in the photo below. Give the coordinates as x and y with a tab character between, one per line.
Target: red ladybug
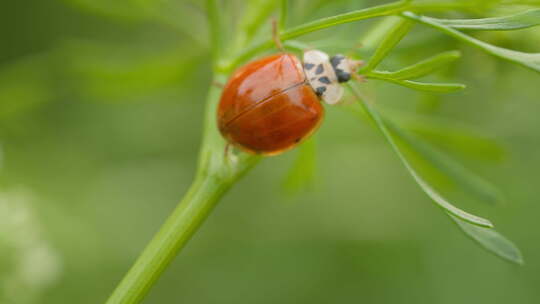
269	105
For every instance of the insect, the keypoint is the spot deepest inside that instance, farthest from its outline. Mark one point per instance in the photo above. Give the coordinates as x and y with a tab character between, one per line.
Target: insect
270	105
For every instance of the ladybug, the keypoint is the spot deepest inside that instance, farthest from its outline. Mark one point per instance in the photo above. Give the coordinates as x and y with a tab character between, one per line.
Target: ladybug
270	105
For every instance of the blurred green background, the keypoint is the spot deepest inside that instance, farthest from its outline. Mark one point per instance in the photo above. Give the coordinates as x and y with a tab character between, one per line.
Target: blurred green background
101	107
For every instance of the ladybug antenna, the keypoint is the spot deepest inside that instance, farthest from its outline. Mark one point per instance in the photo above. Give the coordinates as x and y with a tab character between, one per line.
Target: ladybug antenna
358	77
275	35
355	64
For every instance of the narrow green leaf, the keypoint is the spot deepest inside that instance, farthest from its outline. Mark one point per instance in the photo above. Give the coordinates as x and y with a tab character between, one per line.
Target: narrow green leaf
424	67
470	182
431	87
391	39
419	86
296	45
518	21
491	240
470	6
528	60
367	13
370	12
424	185
373	37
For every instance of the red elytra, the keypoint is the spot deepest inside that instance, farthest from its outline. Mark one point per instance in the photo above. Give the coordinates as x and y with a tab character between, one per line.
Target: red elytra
267	106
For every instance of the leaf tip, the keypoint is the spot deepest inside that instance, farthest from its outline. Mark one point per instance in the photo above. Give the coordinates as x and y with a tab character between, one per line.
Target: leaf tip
486	223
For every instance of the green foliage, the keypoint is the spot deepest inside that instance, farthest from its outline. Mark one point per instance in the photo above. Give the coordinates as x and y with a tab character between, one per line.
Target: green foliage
426	187
478	228
396	33
492	241
394	36
390	40
372	12
422	68
518	21
467	180
98	109
528	60
421	86
217	171
216	30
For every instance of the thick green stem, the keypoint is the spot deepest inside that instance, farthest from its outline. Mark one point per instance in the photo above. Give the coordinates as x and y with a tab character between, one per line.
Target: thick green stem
215	176
215	27
171	238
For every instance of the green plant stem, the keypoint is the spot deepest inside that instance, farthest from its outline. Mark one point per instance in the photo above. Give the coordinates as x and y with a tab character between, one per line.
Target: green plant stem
442	6
215	24
171	238
371	12
216	171
425	186
528	60
391	39
215	176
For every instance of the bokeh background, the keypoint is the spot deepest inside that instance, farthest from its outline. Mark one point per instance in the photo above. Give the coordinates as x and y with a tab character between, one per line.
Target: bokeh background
101	106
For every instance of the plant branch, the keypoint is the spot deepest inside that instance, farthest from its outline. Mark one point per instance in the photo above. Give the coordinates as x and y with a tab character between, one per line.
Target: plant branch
528	60
214	177
372	12
173	235
214	22
425	186
390	9
217	172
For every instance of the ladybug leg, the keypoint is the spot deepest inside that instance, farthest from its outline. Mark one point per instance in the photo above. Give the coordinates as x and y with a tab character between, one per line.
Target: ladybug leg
227	150
229	156
275	35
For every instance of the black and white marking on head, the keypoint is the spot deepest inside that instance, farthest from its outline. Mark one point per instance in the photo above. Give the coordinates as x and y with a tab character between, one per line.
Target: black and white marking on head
341	67
324	80
322	77
320	90
320	69
308	66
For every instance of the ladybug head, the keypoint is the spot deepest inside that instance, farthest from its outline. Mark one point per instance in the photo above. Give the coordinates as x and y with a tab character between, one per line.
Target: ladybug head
324	74
338	68
344	67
